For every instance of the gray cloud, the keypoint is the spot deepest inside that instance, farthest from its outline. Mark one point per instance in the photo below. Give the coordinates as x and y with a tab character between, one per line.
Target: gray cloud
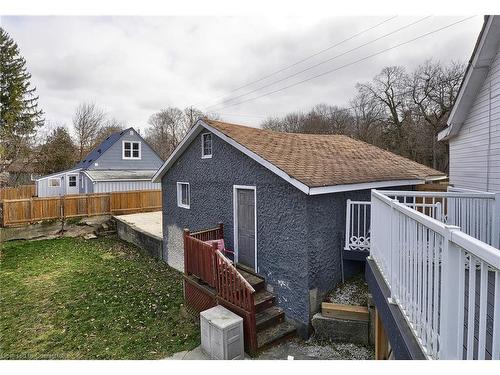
134	66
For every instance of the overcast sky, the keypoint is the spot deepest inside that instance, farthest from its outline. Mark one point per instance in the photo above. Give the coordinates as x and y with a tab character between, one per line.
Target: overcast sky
135	66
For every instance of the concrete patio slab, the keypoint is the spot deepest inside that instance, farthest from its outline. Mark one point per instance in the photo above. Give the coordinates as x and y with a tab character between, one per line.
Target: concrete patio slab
149	222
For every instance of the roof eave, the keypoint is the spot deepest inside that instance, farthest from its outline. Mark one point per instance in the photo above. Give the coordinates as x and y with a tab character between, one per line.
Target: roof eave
477	70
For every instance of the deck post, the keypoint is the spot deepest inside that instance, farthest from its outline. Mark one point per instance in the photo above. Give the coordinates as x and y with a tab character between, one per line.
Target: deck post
347	225
495	224
450	299
221	230
185	235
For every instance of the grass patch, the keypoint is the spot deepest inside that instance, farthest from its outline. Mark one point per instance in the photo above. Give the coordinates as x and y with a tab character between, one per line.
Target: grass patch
70	298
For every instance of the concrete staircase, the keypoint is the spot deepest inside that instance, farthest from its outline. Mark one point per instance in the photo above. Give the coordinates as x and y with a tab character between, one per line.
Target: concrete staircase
272	327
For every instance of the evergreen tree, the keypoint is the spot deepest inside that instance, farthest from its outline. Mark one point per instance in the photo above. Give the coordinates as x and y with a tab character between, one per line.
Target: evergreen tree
20	116
57	153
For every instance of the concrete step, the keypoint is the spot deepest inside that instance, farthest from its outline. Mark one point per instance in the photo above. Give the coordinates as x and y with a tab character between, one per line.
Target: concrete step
257	282
263	300
275	334
269	317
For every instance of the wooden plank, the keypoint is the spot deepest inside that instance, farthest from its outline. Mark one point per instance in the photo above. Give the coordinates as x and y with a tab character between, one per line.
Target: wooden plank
345	312
381	341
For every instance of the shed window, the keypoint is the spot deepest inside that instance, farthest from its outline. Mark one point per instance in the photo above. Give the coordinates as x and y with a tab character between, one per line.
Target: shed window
131	150
72	181
54	182
183	195
206	145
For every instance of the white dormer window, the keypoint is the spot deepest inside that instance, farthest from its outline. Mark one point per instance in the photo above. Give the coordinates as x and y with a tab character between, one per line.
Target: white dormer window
131	150
206	145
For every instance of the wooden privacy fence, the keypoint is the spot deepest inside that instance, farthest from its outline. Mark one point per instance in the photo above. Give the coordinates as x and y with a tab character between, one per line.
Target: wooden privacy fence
22	191
29	210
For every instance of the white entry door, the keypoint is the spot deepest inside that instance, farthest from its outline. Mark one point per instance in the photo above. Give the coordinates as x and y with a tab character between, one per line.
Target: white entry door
72	183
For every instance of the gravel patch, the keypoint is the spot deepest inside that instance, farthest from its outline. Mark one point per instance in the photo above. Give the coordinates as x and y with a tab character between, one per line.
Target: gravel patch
353	291
313	349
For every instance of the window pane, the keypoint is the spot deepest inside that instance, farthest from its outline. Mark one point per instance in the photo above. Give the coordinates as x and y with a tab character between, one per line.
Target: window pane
185	194
72	181
135	146
126	145
127	153
207	144
135	153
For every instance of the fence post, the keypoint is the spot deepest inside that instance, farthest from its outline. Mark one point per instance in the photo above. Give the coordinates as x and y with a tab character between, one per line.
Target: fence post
221	230
347	224
450	298
495	224
186	257
31	210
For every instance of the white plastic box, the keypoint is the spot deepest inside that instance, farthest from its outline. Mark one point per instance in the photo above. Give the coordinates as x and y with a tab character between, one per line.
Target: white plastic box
222	333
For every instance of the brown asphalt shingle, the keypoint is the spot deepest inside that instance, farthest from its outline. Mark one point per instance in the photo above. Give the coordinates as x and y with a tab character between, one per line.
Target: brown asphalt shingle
325	160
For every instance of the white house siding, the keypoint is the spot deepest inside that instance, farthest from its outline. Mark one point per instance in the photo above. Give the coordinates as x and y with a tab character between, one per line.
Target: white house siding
44	190
475	150
109	186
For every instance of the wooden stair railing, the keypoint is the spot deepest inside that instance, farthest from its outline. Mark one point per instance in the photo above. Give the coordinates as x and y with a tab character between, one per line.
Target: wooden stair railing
199	259
211	267
235	293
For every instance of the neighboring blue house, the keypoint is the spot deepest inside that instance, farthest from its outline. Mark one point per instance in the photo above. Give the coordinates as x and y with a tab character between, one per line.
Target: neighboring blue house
123	161
282	200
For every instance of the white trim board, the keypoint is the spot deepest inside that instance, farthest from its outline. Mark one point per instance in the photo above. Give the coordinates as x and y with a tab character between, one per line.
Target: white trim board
235	220
200	124
52	175
475	75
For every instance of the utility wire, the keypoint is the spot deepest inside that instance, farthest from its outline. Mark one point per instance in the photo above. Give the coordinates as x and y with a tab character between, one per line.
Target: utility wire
323	62
352	63
306	58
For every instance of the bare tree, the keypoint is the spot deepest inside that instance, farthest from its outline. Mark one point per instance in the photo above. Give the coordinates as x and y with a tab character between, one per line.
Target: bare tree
433	89
87	121
388	89
367	117
110	126
168	127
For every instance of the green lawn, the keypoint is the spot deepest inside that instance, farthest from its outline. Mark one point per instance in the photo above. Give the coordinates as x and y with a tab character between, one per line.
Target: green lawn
77	299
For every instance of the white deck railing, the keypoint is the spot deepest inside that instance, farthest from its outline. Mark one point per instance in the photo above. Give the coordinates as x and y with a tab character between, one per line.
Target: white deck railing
357	234
476	213
427	265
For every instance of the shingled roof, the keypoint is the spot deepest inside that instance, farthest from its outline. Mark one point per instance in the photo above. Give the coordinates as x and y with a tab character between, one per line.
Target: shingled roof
318	161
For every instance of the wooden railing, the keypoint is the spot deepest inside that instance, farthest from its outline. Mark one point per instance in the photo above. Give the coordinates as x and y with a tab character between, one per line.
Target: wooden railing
29	210
446	283
199	259
210	234
19	192
211	267
231	286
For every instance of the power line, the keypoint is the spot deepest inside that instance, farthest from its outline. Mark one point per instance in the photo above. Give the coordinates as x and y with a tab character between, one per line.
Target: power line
307	58
324	61
352	63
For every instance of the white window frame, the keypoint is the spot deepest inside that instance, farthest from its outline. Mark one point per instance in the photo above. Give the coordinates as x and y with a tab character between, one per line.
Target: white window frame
131	157
179	195
203	156
58	179
76	180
